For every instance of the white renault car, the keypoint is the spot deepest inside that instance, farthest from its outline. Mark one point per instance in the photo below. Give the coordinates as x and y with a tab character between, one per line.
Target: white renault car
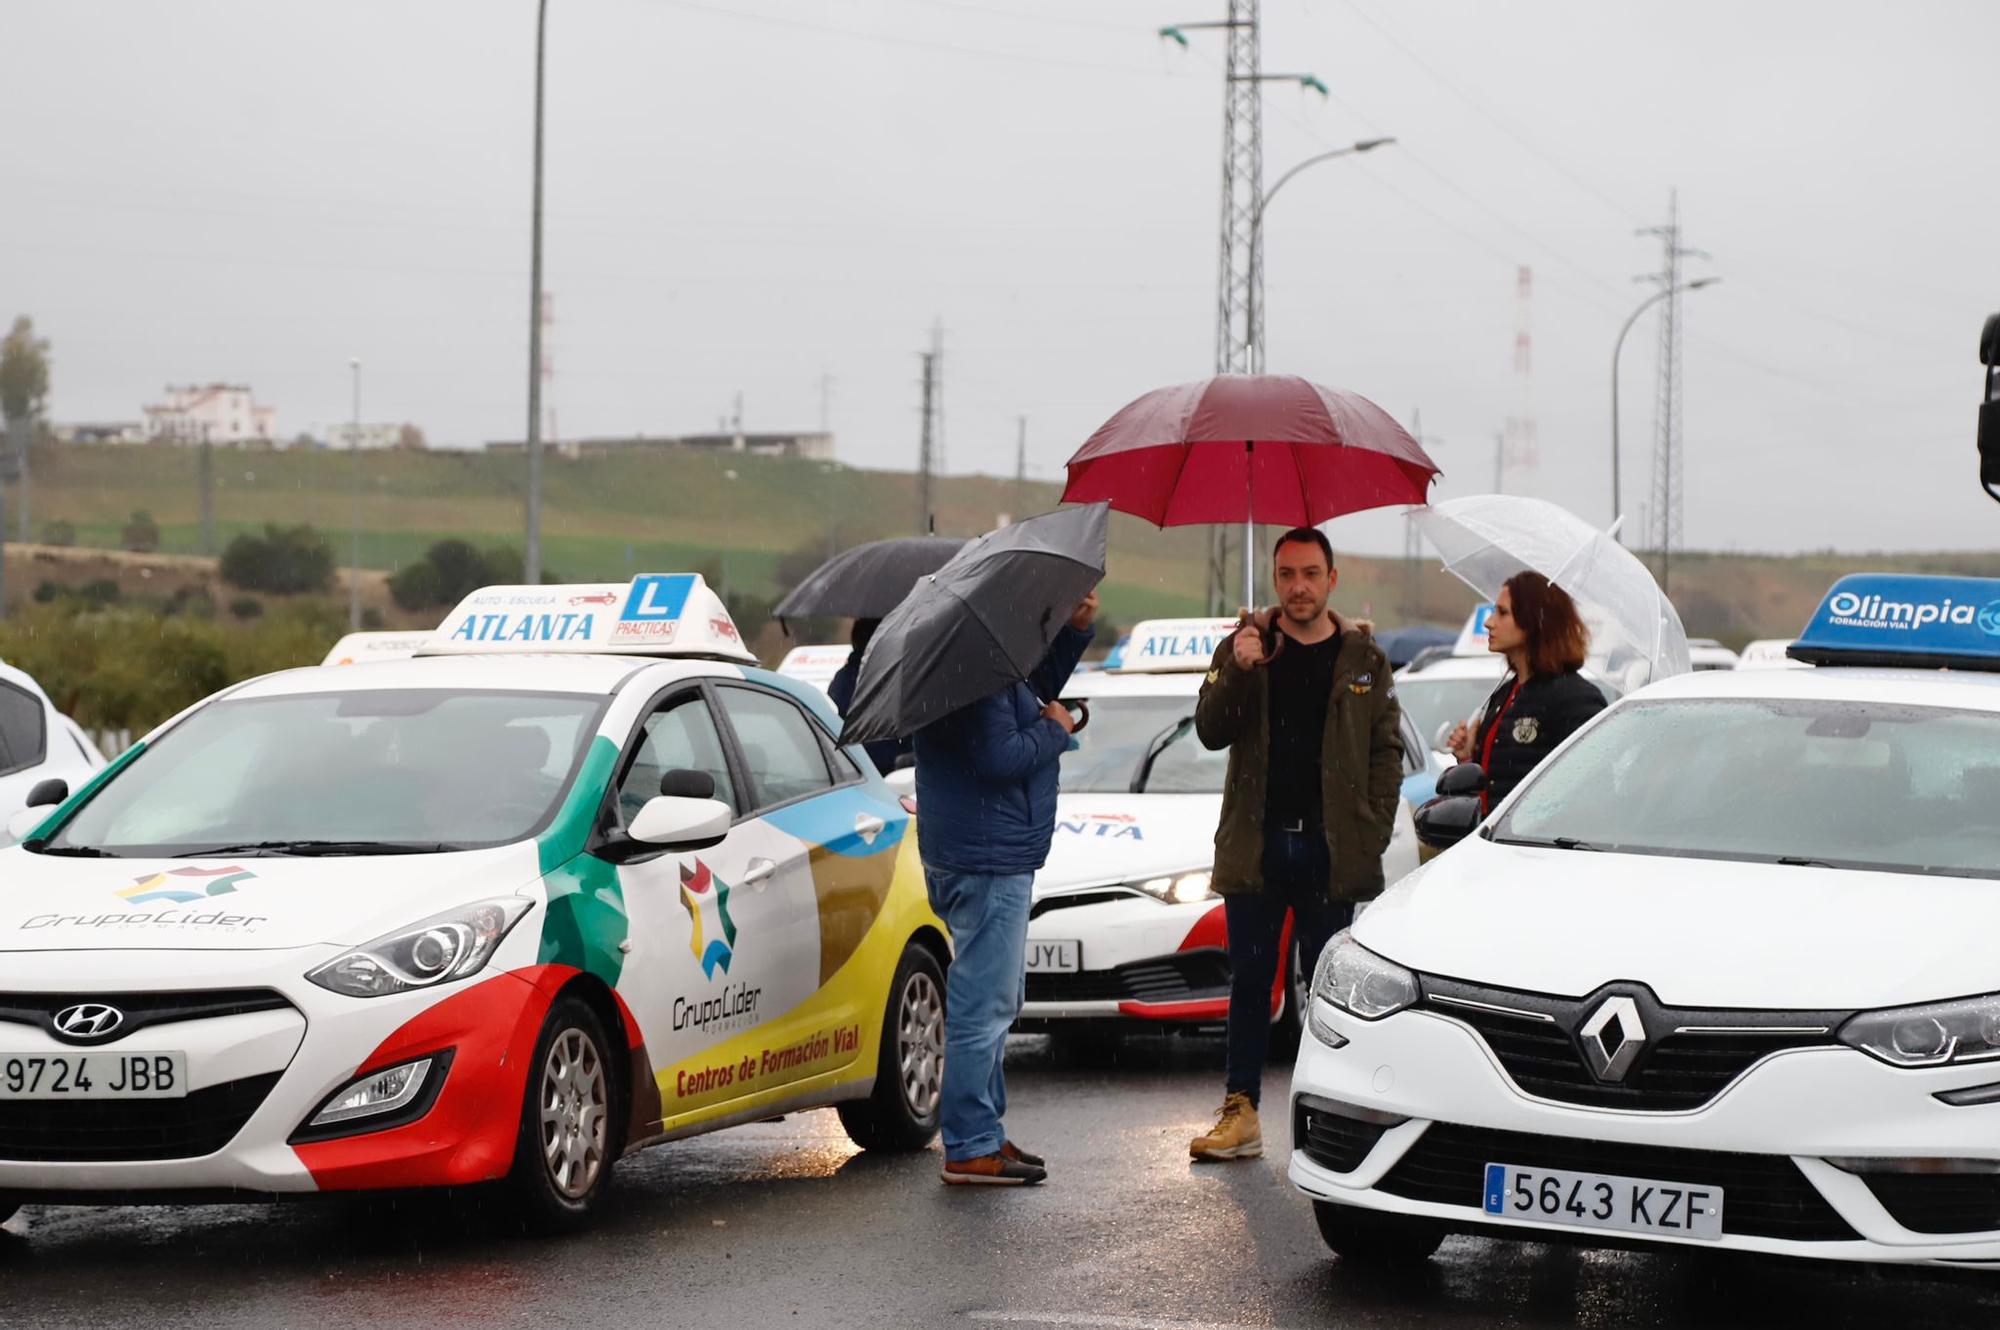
1125	933
576	879
1717	974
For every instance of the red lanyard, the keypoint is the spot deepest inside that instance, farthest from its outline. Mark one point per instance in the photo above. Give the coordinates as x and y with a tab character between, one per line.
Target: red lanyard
1486	749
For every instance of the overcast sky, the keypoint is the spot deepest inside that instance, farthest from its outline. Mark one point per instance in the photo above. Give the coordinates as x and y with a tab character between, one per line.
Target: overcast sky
756	196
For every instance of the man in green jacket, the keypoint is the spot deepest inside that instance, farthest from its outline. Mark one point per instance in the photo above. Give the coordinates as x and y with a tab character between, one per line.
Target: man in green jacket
1306	707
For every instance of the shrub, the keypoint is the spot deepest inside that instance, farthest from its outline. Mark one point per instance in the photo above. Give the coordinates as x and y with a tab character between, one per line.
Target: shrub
98	592
451	570
283	561
140	534
246	607
59	533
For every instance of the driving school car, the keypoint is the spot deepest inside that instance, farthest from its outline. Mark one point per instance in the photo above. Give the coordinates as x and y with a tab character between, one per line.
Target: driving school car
38	744
576	879
1125	931
1717	974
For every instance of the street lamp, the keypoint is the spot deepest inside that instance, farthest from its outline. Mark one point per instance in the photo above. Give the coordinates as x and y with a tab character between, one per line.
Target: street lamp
531	550
1619	346
1251	331
354	505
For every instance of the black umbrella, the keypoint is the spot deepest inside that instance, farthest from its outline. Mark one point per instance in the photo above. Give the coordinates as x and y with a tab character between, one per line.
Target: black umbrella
868	581
978	624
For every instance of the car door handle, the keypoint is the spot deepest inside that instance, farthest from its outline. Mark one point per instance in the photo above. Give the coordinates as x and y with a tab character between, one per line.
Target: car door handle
868	826
759	872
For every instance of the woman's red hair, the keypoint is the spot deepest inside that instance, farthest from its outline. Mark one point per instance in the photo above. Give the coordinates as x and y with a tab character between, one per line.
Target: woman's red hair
1557	639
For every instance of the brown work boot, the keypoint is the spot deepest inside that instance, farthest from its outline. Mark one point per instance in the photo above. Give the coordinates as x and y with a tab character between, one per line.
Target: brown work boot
1236	1134
994	1170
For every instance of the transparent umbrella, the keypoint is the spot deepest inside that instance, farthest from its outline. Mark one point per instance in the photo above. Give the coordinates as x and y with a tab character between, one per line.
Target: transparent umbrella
1485	539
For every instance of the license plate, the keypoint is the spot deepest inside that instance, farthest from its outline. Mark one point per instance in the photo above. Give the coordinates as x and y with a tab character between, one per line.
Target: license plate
1598	1200
1054	957
93	1076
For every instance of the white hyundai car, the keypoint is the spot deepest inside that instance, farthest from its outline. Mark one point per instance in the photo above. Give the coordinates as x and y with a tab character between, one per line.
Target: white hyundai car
39	746
1717	974
1125	933
578	878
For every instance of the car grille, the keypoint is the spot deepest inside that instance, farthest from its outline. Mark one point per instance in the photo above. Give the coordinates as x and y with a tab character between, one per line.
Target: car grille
140	1009
1764	1196
1939	1202
1330	1139
1535	1039
108	1130
1201	973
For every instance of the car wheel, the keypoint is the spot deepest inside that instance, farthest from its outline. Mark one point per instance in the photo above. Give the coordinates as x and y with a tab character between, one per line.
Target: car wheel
901	1113
569	1121
1375	1237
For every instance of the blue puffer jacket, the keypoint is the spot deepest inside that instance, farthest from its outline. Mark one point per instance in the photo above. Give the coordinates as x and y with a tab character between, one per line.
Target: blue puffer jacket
986	774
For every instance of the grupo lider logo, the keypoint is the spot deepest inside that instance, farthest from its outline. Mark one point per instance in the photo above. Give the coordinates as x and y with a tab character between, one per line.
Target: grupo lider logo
712	938
182	885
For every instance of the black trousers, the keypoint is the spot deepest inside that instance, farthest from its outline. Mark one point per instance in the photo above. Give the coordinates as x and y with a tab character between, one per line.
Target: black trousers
1298	874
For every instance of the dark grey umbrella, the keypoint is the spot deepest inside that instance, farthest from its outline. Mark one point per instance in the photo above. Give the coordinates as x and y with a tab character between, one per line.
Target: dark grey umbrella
978	624
867	581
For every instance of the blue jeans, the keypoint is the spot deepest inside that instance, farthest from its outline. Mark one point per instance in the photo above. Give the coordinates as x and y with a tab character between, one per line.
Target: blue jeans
1297	877
987	914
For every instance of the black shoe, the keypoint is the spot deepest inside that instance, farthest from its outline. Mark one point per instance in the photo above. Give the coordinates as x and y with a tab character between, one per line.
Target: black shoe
1009	1150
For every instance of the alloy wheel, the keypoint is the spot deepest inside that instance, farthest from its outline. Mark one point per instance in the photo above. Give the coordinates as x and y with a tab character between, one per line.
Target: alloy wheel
920	1043
575	1118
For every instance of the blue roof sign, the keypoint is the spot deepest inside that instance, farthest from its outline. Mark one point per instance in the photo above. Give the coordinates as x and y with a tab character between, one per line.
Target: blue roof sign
1902	619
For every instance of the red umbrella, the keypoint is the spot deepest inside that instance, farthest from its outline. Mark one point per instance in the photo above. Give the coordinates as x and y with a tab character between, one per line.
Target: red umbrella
1249	448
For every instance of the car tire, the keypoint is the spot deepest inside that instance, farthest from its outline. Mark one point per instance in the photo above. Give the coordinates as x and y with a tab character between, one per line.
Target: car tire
571	1116
901	1112
1374	1237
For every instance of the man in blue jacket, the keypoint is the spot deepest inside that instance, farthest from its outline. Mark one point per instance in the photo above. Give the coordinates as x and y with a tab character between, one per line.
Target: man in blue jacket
986	795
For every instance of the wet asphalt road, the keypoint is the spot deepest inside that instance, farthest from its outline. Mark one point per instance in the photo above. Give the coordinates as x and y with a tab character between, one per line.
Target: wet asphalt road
785	1224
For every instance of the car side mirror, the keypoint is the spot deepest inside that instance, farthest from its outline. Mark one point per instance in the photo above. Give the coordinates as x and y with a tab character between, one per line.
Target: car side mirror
48	793
668	823
1448	819
1465	778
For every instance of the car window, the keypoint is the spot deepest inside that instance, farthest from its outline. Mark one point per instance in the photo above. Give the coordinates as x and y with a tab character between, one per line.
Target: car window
23	731
781	750
680	736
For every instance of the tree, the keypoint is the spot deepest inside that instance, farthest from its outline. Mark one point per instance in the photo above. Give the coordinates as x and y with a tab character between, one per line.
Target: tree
141	534
283	560
24	372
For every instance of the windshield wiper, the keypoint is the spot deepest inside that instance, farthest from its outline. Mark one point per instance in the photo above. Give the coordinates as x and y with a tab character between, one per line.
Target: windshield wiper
1798	861
1552	843
310	848
71	851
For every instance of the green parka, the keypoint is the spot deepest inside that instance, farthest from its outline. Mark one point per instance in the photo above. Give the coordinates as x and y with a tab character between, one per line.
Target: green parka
1361	764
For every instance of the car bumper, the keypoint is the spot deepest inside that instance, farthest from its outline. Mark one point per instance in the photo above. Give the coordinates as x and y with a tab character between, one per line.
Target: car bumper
256	1078
1417	1103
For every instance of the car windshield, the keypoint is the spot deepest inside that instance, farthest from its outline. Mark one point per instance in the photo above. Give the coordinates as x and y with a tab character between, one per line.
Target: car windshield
1840	784
346	772
1434	702
1123	730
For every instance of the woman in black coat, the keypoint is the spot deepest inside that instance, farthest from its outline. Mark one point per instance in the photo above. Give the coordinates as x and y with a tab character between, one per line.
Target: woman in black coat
1544	698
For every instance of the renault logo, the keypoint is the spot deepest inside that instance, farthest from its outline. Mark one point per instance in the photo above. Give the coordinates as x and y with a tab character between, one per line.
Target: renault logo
88	1020
1612	1038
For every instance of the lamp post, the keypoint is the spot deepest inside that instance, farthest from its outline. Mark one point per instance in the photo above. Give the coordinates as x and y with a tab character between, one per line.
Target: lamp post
531	549
1617	348
1254	331
354	505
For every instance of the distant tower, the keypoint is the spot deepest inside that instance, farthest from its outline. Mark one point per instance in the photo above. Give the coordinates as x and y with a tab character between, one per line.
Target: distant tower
937	396
1519	451
925	449
1664	529
1237	343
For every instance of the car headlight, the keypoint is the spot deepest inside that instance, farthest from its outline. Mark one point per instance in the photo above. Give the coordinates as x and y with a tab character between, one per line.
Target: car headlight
1930	1035
1361	983
432	951
1179	888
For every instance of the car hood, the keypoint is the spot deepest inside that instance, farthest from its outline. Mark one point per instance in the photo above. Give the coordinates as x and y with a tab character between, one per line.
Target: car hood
1120	837
1698	932
51	903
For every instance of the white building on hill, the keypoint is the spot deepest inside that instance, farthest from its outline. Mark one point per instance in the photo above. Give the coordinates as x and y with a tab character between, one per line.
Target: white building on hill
217	412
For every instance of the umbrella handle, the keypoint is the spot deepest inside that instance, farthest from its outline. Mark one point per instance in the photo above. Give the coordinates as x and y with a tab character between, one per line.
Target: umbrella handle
1083	719
1267	632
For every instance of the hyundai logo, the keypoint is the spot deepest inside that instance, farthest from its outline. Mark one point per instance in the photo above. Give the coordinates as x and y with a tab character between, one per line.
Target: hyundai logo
1612	1038
88	1020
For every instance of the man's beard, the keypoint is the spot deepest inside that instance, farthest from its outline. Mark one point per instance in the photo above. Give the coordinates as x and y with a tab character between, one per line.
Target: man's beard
1304	611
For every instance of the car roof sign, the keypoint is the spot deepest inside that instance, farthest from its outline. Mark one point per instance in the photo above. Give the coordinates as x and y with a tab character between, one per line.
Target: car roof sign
655	614
1472	637
1171	646
1905	620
